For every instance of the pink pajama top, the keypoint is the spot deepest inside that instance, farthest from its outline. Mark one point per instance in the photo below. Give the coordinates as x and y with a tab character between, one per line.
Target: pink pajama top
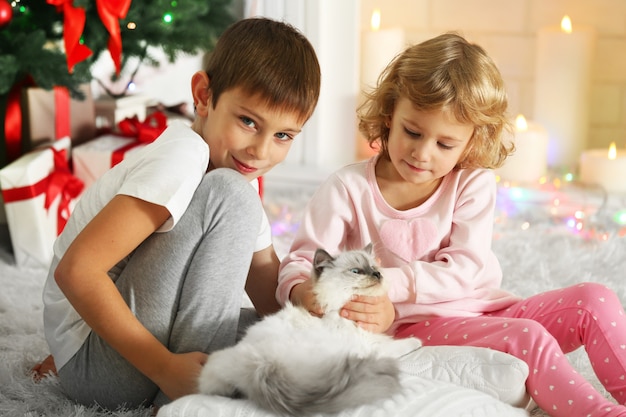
436	258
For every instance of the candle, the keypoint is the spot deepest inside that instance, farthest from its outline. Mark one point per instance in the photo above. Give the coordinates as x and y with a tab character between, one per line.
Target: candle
562	68
606	169
529	162
378	48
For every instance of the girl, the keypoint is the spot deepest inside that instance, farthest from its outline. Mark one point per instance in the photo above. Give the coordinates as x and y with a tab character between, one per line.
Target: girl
427	202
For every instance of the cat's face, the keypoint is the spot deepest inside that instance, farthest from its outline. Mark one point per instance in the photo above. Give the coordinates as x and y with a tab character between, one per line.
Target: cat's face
337	279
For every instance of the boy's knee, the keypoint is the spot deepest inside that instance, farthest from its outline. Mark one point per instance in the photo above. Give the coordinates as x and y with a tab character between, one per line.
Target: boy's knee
233	186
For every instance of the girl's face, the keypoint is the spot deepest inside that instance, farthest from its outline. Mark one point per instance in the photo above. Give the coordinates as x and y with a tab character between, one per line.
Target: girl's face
245	134
424	146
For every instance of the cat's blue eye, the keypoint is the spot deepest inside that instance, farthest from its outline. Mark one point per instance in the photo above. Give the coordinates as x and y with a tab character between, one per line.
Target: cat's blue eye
356	271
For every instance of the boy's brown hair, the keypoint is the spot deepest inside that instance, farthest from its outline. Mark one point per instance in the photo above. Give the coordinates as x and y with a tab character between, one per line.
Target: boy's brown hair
269	59
446	72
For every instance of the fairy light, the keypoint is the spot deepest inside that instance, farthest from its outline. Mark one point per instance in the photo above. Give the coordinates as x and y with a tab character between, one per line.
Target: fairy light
167	18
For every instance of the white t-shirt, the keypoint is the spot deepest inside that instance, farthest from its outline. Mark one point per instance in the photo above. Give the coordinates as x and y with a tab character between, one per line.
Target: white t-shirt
166	172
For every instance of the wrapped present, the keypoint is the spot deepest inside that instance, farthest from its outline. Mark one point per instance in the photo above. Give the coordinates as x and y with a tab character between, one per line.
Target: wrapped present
92	159
110	111
39	194
52	114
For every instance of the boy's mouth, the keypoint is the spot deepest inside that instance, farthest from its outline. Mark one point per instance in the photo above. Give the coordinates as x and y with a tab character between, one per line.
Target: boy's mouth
244	168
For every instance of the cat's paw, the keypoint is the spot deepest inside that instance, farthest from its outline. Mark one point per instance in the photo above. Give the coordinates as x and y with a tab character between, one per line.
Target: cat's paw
402	347
212	382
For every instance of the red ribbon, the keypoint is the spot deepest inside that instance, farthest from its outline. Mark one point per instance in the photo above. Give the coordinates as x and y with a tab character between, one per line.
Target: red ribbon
59	182
61	112
110	12
145	132
73	25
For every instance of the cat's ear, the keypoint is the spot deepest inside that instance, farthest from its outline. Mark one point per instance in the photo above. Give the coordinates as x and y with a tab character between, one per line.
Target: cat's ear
320	260
369	248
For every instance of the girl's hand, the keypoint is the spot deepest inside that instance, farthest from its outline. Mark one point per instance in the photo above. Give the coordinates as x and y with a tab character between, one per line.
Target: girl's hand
374	314
302	294
180	376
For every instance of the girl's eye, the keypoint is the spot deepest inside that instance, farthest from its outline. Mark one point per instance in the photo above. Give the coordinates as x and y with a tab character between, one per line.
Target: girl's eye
247	121
283	136
444	146
411	133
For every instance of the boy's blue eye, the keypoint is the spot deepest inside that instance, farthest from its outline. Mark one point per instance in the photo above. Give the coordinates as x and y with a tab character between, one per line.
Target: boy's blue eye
247	121
283	136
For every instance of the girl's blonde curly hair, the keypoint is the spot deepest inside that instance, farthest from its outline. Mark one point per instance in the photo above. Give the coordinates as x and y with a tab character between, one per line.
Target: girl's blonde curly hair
444	72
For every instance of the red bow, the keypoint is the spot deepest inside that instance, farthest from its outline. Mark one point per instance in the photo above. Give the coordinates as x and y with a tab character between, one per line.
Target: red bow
63	183
145	132
73	25
110	12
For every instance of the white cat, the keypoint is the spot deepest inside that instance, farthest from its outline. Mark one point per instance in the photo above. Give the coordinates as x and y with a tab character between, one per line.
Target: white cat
294	363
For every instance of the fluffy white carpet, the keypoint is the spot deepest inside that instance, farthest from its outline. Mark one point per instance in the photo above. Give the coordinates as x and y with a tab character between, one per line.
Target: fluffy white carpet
544	239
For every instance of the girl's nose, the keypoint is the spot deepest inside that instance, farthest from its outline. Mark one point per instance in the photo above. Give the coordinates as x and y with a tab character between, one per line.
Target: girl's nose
421	151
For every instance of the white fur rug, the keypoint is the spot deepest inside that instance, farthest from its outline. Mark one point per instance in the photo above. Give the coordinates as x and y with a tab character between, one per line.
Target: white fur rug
537	247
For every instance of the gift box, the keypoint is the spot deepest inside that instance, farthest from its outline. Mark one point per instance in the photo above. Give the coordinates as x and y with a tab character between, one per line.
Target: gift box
39	194
51	114
110	111
92	159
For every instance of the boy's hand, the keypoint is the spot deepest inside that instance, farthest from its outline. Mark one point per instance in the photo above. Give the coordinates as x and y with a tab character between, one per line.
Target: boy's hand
302	294
181	374
374	314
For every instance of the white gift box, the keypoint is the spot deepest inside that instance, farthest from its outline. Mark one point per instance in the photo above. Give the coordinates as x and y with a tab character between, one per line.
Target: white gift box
92	159
39	193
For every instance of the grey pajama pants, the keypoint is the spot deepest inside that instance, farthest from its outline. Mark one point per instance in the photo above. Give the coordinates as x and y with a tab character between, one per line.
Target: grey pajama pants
185	286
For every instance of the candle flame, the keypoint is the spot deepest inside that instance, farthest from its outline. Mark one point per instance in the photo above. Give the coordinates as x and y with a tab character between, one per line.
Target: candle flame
375	20
520	123
612	151
566	24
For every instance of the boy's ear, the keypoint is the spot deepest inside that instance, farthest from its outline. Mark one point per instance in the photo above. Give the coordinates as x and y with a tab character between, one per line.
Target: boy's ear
200	92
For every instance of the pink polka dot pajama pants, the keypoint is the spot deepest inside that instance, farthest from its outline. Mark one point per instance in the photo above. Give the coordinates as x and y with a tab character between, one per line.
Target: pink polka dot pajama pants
540	330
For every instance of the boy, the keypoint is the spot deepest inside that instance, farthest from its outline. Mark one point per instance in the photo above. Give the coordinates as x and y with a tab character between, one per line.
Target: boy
131	313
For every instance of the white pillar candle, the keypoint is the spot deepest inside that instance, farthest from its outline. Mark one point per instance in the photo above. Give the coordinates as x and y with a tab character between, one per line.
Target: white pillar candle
529	162
562	76
604	168
378	48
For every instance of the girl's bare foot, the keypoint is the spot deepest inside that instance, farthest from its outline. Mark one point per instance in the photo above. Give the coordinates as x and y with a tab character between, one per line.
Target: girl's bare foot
44	368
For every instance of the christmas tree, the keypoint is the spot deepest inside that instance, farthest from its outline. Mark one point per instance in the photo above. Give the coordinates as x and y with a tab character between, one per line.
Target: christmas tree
49	43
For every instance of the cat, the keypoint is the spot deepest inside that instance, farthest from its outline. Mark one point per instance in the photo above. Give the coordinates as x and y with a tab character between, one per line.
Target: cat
294	363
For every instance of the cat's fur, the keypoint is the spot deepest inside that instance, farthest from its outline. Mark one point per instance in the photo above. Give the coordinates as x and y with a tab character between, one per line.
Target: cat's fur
294	363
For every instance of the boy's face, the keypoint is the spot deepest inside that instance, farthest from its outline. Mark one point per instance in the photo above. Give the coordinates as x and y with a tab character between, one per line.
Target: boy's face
245	134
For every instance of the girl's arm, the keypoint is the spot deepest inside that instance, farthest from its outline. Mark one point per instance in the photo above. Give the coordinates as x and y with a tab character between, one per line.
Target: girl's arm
114	233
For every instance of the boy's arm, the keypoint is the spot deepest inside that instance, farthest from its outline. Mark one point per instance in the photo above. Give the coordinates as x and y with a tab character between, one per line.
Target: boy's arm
263	280
82	276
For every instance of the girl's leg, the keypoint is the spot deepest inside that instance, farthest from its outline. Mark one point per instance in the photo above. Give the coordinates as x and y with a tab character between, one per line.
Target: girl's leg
587	314
552	382
186	287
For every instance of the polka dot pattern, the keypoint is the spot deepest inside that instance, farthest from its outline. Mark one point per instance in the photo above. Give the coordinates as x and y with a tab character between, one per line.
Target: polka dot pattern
540	330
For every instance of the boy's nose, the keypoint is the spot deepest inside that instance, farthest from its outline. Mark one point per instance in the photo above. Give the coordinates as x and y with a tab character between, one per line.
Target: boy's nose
260	148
